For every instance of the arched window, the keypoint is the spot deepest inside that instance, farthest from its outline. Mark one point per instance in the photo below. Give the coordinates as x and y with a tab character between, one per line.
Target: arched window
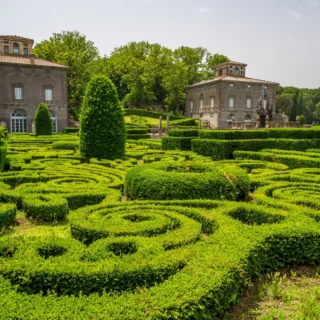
230	70
54	120
16	48
248	118
236	71
212	102
191	104
19	122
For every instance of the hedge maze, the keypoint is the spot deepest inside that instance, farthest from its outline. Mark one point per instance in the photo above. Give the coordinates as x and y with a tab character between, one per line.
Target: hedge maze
157	234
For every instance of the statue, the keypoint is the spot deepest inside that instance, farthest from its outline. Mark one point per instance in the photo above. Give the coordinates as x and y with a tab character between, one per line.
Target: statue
264	108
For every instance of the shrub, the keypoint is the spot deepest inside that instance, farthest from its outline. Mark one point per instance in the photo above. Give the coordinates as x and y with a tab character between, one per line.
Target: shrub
45	207
176	180
223	149
183	133
138	136
42	121
65	145
70	130
3	154
102	131
76	113
176	143
137	131
184	122
7	214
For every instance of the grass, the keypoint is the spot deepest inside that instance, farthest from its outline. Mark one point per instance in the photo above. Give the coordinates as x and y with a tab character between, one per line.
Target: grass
289	294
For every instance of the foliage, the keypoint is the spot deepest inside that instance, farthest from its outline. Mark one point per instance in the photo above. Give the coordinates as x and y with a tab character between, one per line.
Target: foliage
152	114
65	145
302	120
71	130
3	154
72	49
176	143
42	121
185	181
102	131
76	113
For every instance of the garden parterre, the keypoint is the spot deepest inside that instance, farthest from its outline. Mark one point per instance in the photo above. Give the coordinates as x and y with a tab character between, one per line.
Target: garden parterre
146	259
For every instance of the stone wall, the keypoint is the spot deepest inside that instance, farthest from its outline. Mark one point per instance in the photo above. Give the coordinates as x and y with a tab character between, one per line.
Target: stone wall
33	81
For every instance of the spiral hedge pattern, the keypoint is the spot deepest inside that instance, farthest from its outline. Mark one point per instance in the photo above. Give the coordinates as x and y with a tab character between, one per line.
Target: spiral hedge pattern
146	259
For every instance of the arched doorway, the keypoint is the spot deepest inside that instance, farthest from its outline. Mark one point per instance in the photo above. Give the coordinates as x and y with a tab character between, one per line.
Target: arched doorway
54	121
19	123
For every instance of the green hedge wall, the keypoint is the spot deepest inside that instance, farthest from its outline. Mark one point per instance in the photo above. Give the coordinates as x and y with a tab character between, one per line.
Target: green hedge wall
137	131
65	145
3	154
151	114
138	136
184	122
223	149
183	133
176	143
186	180
281	133
7	214
71	130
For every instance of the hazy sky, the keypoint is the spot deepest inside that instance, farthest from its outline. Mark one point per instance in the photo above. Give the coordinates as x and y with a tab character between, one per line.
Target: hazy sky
278	39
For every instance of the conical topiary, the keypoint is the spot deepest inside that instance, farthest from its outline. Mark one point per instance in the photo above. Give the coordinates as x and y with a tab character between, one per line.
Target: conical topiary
42	121
102	126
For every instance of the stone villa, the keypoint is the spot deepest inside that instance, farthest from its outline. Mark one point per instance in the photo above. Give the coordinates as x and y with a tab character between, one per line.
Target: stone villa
230	95
25	82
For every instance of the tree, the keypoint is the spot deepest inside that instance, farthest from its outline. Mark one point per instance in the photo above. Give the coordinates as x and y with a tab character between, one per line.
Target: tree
285	103
212	61
302	120
174	82
43	123
72	49
102	127
294	109
316	113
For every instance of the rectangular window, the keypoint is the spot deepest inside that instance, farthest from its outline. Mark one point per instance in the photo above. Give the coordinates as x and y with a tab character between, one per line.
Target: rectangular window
25	51
231	102
201	104
48	95
191	105
18	93
248	103
212	102
6	49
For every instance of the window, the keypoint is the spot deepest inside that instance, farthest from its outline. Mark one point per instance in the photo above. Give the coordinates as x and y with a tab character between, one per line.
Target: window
25	51
249	103
236	71
191	104
230	70
212	102
16	48
54	121
19	122
48	94
6	49
231	102
201	103
18	93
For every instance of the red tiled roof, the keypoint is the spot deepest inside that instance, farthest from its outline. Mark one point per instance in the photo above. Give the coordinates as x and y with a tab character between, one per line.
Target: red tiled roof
233	79
28	61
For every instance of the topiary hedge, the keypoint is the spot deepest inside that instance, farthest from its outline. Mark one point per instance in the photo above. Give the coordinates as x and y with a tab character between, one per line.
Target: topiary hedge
102	131
176	180
176	143
70	130
42	121
183	133
137	131
223	149
3	154
65	145
138	136
7	214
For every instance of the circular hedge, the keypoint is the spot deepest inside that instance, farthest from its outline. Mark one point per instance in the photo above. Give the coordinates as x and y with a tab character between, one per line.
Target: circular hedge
186	180
45	207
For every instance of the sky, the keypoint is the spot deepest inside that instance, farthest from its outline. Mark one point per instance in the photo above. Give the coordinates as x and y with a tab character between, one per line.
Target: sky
278	39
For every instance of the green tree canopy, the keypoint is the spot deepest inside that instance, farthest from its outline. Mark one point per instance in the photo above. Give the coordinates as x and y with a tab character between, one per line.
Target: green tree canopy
42	121
102	127
72	49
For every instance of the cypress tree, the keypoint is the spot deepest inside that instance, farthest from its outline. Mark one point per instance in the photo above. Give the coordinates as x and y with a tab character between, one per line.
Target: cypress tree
42	121
102	126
